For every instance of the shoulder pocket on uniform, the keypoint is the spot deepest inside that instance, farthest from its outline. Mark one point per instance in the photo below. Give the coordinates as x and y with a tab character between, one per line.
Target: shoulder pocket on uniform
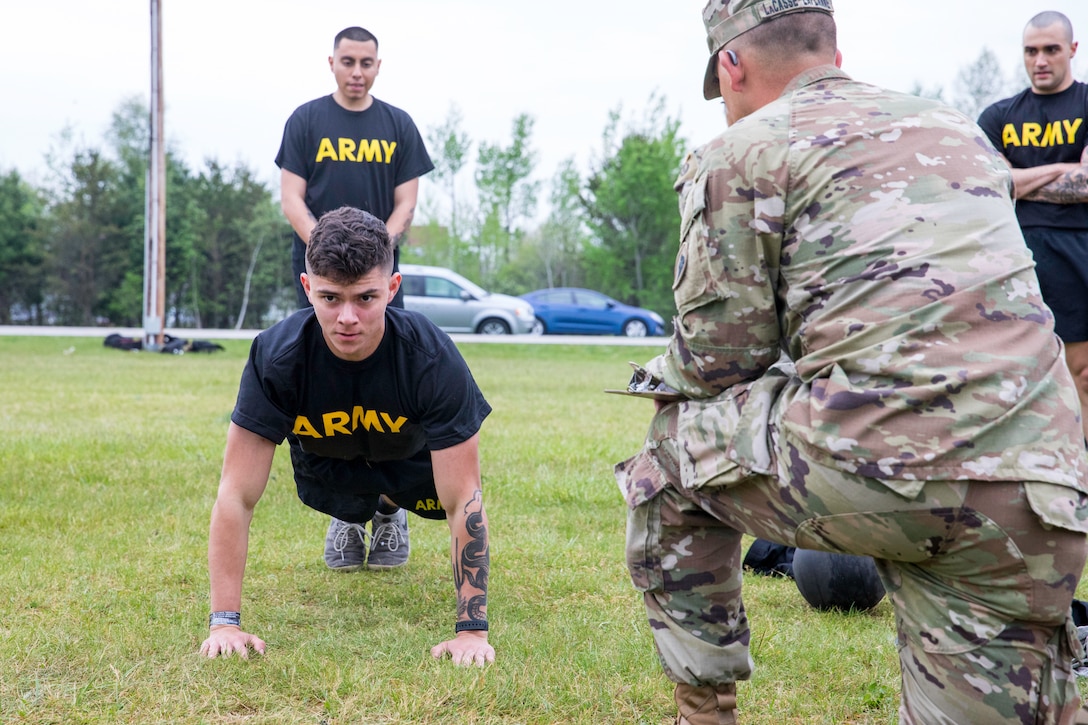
689	279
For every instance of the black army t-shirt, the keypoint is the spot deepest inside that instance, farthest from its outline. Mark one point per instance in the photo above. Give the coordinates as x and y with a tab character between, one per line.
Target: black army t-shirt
1033	130
352	158
415	393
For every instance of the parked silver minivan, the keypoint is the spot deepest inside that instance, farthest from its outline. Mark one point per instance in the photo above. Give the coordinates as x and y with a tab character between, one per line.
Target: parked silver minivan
457	305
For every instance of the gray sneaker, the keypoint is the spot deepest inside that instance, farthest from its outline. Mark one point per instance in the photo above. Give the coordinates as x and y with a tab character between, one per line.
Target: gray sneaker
389	540
345	546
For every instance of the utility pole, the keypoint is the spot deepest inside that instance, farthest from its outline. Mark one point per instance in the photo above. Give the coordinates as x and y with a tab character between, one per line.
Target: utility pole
155	211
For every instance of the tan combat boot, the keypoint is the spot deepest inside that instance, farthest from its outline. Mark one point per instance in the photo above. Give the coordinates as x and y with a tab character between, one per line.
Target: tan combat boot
706	705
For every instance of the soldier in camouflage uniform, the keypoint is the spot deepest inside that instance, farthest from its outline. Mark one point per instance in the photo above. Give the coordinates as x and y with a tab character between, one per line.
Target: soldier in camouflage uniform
865	366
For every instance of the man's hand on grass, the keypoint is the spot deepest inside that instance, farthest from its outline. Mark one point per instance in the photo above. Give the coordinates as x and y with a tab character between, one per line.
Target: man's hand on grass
467	648
225	640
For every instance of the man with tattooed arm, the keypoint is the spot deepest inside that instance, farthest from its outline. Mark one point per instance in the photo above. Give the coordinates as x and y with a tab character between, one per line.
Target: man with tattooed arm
1044	138
378	408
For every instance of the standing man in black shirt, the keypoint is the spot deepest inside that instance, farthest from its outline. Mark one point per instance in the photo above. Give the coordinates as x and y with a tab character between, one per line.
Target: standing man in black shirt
351	149
1043	134
376	404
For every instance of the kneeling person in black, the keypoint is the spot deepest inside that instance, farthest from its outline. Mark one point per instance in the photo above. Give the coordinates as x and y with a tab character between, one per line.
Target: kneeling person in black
379	410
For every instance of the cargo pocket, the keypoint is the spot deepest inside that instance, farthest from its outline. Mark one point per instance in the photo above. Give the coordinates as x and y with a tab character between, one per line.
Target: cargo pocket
729	438
1060	506
643	547
705	430
640	478
1058	684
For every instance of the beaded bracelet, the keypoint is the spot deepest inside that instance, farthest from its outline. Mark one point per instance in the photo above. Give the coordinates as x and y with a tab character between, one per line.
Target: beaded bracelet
471	625
218	618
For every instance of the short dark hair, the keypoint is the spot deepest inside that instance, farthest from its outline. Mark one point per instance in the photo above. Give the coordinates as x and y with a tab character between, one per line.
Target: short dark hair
1051	17
347	244
792	34
359	35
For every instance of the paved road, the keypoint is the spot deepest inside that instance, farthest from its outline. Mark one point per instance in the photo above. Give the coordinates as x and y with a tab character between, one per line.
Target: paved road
194	334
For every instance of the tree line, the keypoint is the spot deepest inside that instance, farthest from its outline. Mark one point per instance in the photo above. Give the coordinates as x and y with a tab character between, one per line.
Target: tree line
612	227
72	248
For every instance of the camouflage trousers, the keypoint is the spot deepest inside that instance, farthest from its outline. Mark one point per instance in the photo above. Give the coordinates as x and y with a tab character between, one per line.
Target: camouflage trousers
980	587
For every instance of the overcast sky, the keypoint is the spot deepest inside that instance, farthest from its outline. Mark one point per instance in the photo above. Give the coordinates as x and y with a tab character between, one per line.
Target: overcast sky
235	69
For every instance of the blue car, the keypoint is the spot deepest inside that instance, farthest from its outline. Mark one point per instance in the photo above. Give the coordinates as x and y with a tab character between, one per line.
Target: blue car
576	311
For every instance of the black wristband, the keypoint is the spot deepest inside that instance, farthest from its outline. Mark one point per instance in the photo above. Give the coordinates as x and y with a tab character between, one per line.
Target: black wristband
471	625
218	618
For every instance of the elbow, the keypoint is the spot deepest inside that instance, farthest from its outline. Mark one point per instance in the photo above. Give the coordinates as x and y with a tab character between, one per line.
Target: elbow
233	507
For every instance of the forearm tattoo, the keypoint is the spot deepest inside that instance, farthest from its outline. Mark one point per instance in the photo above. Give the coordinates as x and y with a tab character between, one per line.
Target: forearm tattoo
1070	188
472	563
397	237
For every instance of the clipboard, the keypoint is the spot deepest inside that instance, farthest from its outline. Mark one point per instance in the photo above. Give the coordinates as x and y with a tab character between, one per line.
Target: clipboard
665	396
645	385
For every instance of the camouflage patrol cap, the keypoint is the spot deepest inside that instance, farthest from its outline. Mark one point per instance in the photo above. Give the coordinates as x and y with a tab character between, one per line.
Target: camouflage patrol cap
727	19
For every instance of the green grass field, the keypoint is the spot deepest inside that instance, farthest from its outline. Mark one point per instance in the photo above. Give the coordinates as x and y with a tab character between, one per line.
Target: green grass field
108	470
